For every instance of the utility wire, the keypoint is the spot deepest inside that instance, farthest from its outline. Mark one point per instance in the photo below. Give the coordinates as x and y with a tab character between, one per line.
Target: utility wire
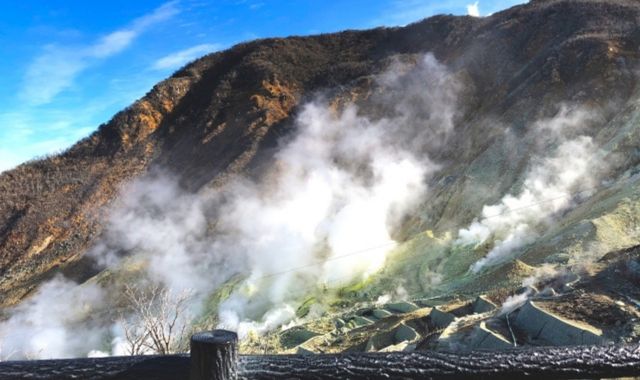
321	262
392	243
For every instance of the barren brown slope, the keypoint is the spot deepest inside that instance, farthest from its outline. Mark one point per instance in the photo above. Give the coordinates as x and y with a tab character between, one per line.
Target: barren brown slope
225	112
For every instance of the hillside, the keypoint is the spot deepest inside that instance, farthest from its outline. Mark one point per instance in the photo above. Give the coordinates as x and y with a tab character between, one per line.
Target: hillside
543	104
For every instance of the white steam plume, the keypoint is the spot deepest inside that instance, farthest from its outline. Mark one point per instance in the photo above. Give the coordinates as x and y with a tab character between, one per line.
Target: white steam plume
342	185
339	185
56	322
473	9
549	187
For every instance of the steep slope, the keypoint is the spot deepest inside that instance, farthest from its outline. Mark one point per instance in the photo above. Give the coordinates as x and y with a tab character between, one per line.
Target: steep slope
226	113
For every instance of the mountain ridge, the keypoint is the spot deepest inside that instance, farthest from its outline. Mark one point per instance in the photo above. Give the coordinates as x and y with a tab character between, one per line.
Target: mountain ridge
224	113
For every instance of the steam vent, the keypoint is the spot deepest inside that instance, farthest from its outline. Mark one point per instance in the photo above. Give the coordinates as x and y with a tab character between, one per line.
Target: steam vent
456	184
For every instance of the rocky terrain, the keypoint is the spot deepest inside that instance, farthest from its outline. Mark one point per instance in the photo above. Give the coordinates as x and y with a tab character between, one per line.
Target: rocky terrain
545	132
598	308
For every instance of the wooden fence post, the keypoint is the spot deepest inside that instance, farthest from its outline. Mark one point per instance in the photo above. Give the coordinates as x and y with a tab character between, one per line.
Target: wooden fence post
214	355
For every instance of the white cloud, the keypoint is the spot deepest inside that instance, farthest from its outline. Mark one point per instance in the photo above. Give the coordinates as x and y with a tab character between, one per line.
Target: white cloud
472	9
119	40
50	73
162	13
402	12
55	69
25	136
179	58
112	43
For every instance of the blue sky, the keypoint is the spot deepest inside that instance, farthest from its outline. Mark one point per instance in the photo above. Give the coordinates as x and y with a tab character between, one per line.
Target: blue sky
68	66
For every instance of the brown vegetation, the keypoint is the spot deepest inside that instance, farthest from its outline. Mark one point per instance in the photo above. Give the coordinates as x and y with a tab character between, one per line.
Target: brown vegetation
225	112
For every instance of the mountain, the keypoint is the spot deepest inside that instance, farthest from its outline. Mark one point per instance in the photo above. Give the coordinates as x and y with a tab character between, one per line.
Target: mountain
546	109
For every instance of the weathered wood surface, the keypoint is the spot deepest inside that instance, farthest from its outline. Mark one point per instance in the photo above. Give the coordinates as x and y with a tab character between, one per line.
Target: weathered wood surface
214	355
583	362
548	363
171	367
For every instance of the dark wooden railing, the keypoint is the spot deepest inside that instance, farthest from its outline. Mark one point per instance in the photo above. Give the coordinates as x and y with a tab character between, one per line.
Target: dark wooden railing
214	357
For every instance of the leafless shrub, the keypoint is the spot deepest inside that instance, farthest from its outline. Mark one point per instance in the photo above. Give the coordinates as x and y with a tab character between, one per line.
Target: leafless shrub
156	321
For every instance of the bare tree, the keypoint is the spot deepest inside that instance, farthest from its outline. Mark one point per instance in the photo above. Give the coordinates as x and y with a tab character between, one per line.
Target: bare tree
135	335
157	321
6	355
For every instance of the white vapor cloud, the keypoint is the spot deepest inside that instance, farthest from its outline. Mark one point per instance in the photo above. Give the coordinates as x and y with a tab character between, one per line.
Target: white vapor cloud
548	188
403	12
472	9
179	58
341	183
55	69
44	326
